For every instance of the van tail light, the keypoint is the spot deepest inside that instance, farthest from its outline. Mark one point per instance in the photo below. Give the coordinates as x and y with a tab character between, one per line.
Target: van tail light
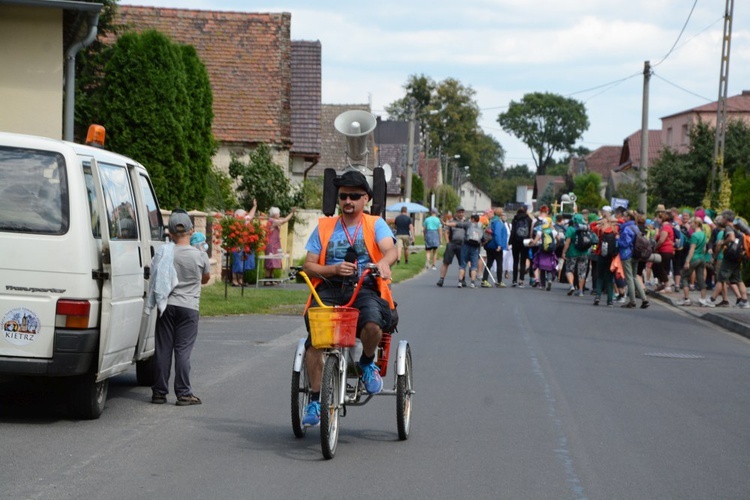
73	313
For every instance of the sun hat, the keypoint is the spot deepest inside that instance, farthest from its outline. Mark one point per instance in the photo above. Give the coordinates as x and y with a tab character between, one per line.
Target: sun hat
352	178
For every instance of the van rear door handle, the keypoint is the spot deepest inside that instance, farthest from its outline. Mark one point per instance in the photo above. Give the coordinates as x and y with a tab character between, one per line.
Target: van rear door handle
147	272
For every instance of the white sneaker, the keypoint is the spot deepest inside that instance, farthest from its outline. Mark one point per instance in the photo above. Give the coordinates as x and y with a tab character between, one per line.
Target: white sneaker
706	303
743	305
684	302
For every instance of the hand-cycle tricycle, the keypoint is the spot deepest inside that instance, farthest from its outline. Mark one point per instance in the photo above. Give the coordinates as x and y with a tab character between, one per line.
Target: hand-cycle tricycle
333	329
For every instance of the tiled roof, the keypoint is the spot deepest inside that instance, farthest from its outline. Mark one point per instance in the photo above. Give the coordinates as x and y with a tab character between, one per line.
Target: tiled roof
332	143
306	81
601	161
631	149
248	58
735	104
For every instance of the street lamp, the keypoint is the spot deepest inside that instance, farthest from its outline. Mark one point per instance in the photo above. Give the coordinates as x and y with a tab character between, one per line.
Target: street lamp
445	177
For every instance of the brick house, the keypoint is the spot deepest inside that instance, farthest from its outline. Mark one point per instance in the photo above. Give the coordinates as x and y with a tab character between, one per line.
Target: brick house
248	57
675	129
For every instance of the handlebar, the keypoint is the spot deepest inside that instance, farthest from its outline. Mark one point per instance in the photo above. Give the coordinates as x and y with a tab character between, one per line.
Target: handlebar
369	269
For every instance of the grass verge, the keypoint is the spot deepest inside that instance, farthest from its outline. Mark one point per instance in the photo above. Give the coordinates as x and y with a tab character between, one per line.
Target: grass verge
276	299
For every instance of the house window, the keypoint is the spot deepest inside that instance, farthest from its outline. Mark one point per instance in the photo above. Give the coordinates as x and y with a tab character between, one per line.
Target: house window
669	137
685	135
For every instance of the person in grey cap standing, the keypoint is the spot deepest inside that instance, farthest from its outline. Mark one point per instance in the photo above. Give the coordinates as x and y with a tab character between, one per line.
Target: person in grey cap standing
177	325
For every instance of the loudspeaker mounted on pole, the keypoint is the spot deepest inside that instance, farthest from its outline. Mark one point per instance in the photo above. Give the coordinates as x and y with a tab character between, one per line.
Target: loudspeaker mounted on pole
356	126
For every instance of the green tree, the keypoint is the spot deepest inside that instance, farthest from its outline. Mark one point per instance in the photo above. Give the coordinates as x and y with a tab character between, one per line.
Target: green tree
312	193
155	115
417	189
587	191
89	65
199	139
547	123
263	180
220	195
448	117
683	179
629	191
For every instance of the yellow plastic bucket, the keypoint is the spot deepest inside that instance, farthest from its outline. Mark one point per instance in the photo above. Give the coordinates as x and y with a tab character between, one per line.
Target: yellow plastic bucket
333	326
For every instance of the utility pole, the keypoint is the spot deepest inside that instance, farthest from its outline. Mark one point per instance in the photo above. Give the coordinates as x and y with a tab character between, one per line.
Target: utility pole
643	167
721	105
410	154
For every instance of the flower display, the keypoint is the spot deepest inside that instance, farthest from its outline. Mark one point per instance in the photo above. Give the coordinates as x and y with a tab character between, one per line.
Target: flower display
238	234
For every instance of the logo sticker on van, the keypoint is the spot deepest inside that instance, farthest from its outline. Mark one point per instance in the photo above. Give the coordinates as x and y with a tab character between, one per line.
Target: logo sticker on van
20	326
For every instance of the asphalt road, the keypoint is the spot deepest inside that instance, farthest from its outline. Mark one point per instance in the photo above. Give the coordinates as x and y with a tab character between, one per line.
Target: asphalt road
521	394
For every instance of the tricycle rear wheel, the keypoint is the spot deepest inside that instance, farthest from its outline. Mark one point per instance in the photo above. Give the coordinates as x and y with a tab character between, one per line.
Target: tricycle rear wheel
404	389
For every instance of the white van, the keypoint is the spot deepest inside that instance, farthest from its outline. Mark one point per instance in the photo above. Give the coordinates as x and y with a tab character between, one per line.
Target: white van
78	228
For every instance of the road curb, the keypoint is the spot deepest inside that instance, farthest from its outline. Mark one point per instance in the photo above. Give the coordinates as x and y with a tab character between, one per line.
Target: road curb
731	324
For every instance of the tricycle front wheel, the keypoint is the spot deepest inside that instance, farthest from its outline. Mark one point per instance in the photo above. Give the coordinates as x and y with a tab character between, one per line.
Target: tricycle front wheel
330	406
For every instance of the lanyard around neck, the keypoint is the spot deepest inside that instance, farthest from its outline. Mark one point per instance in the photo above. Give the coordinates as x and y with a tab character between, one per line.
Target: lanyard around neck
350	238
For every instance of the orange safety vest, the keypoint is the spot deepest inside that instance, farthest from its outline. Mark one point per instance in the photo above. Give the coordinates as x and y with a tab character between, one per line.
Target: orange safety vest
326	226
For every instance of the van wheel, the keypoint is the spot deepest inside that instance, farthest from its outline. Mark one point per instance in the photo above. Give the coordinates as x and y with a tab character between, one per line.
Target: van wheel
87	397
144	372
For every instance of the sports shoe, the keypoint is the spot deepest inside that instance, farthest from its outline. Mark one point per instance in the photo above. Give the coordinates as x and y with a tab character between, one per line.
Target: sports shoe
434	268
188	400
629	305
645	304
440	282
596	301
472	285
579	293
549	286
461	284
485	284
684	302
706	303
621	300
660	287
520	284
723	303
743	305
312	414
158	399
500	284
514	284
571	290
371	378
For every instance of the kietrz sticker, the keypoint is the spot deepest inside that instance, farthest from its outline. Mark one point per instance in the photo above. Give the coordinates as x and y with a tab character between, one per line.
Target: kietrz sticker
20	326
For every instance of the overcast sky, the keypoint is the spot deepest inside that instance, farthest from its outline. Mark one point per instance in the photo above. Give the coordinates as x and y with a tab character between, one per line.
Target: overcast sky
590	50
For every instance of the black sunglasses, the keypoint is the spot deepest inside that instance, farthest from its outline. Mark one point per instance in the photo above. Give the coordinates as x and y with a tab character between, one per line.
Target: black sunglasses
351	196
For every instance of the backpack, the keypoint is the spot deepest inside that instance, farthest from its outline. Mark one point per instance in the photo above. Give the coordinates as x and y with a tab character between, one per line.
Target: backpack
474	234
549	242
608	245
583	238
735	252
679	238
522	229
642	248
458	234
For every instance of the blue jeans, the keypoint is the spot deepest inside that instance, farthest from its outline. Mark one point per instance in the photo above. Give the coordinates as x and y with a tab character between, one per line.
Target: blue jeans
470	255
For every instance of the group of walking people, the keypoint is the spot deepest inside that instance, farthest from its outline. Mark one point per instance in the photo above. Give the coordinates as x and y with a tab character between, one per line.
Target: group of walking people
621	252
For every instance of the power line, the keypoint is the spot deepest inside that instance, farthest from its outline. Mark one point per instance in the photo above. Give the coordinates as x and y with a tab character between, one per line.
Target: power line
681	88
678	36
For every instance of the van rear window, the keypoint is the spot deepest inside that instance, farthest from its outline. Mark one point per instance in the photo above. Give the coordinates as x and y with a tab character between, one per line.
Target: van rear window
33	191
